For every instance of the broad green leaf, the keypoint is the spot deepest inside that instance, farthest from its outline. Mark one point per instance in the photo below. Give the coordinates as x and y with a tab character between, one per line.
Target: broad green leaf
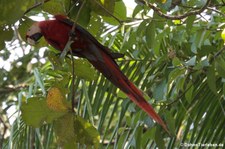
159	139
176	61
121	94
224	89
122	139
77	131
85	13
220	63
66	134
12	11
6	34
150	34
174	74
189	92
190	20
24	25
54	7
83	69
137	9
201	35
36	112
141	29
102	7
211	79
95	26
180	82
159	92
148	135
119	12
170	121
55	61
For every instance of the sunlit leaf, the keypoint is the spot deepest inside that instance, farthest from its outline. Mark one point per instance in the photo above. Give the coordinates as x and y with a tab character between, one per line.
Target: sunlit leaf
35	112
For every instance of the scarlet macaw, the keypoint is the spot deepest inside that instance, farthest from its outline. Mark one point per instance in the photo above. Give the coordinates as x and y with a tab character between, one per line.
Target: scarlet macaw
56	32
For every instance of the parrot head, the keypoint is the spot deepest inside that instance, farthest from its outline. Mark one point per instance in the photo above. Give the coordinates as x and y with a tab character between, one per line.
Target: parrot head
33	34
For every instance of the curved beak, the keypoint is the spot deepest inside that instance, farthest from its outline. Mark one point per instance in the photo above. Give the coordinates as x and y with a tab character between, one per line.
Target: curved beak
33	39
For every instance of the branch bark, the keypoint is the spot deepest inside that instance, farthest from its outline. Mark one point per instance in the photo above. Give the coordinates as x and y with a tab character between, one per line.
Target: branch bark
7	90
178	17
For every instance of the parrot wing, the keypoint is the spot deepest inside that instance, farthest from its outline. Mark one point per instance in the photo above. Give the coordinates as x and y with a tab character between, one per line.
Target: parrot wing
65	20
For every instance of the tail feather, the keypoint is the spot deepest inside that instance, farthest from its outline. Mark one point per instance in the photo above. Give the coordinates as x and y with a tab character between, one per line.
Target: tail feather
108	67
137	97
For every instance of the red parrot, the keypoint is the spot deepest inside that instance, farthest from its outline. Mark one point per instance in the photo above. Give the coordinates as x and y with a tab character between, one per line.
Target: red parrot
57	32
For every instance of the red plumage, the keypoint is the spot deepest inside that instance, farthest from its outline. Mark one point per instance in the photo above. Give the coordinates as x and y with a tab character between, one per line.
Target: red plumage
56	32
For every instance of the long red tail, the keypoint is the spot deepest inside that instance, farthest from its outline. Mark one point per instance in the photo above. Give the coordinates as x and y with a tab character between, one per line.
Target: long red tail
108	67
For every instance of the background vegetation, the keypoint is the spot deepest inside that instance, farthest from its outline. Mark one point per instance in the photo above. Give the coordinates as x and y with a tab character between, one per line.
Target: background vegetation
173	52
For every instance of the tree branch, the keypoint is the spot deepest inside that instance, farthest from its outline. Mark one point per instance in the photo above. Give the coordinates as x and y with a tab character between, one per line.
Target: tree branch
217	11
178	17
8	90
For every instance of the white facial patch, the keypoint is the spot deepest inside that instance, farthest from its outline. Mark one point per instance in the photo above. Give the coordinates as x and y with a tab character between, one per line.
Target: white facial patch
34	29
31	41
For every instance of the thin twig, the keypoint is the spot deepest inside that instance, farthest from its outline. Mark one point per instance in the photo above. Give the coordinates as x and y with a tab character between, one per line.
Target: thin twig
108	12
223	2
71	38
8	90
178	17
217	11
219	52
35	6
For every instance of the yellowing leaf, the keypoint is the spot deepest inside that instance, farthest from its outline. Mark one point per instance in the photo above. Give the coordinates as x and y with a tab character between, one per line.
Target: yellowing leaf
177	22
56	100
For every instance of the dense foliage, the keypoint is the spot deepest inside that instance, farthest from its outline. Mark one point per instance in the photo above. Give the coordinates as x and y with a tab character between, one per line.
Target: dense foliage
173	52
